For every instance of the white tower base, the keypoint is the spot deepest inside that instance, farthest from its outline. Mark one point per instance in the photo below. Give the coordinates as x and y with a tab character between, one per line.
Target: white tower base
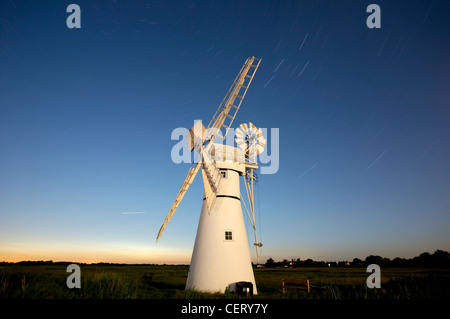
221	255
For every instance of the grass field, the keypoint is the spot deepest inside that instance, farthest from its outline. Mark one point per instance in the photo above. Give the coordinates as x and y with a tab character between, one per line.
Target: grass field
167	282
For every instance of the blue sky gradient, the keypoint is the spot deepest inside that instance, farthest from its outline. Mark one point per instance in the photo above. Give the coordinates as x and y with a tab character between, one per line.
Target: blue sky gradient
86	117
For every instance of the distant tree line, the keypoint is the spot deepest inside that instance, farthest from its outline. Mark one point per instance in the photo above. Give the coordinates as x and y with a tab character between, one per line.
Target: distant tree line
39	263
439	259
66	263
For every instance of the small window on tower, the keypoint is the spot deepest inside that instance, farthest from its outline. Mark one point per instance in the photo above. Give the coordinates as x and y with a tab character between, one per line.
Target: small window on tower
224	174
228	235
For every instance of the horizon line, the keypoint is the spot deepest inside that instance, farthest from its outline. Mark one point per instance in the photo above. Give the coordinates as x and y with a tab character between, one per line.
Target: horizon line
186	264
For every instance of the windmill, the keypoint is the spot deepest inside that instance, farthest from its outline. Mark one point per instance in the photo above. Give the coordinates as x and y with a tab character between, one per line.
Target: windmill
221	256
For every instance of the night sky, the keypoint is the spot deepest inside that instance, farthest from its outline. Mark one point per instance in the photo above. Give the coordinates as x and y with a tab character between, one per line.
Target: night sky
86	117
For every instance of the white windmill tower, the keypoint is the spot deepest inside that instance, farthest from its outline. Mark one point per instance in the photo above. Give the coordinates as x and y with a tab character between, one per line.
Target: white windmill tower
221	256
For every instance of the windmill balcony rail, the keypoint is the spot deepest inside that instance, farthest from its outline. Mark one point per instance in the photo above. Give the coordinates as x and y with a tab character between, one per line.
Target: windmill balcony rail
227	154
